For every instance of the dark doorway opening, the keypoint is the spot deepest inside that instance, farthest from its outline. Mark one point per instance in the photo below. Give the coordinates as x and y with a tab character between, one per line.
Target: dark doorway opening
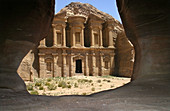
79	66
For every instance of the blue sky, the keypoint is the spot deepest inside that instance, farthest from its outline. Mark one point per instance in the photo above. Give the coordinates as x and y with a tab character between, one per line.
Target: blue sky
108	6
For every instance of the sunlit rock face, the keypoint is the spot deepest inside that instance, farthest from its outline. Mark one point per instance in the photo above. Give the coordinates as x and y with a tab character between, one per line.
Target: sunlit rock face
22	25
123	52
26	68
124	58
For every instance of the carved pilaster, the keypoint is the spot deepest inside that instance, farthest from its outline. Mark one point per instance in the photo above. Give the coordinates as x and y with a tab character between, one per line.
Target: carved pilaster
82	37
101	40
110	44
112	63
71	65
101	64
72	35
55	68
86	65
64	36
92	37
55	37
93	64
42	65
64	64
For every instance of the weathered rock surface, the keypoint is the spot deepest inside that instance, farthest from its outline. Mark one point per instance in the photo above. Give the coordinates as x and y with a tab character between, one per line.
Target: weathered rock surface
22	25
124	58
85	9
26	70
147	27
150	89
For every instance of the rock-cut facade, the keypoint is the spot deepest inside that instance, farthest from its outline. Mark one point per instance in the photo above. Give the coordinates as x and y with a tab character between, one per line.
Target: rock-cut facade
81	46
82	41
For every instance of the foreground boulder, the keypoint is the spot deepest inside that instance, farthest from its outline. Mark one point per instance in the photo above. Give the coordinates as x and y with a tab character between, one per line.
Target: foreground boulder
23	24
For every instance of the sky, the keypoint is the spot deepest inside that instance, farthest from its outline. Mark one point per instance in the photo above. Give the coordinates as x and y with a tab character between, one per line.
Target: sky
107	7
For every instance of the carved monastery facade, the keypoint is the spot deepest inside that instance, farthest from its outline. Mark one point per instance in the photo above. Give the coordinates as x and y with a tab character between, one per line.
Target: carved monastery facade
81	46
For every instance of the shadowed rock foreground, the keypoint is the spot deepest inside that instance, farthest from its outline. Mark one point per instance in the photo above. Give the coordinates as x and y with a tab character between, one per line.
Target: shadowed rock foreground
147	25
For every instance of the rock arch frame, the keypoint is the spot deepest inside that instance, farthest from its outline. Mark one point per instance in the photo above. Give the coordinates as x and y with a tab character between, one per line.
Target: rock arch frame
148	85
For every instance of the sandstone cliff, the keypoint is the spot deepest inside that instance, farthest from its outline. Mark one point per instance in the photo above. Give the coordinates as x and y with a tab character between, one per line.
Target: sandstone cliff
124	58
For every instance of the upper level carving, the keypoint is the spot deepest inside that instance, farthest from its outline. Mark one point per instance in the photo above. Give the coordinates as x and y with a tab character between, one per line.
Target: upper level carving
81	32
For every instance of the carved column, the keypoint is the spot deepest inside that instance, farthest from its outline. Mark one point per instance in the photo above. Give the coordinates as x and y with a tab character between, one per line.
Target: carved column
64	36
86	65
101	64
101	40
55	69
114	34
93	64
74	40
92	37
55	37
112	63
82	37
71	64
72	37
42	65
110	38
64	64
42	43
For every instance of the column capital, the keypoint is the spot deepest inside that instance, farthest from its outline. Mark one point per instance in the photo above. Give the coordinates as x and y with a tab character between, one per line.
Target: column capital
112	54
83	27
41	54
100	27
101	54
64	54
91	27
93	54
110	28
71	26
53	25
71	54
55	54
87	54
63	25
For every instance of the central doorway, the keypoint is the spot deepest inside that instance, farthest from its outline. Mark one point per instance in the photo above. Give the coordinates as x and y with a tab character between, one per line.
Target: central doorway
79	66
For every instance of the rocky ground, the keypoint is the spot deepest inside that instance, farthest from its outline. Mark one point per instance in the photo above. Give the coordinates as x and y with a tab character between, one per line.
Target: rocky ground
77	85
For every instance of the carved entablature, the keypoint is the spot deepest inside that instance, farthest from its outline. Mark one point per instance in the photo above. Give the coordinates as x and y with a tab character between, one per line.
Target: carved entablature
77	57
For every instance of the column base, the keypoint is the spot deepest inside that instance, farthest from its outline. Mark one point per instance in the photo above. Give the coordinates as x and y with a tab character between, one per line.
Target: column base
111	47
64	46
73	46
42	46
82	47
54	46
